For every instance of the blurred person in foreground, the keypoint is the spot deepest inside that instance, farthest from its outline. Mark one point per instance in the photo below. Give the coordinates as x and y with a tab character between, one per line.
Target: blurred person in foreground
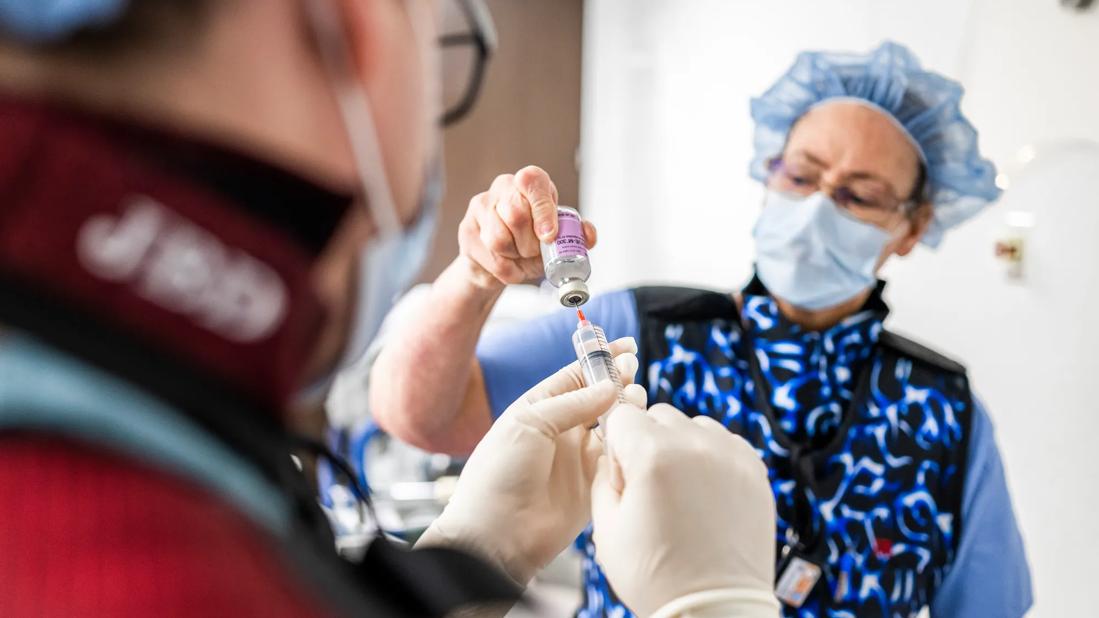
206	207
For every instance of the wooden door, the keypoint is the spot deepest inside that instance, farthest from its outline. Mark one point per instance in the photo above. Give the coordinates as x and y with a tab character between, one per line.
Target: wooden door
528	112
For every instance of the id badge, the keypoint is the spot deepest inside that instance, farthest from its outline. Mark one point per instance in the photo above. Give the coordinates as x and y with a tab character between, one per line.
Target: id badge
798	574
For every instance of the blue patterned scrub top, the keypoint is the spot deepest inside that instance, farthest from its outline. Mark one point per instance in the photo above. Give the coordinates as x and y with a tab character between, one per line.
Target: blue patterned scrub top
893	558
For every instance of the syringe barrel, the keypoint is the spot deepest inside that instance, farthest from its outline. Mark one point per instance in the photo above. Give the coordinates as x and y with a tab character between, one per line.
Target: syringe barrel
596	362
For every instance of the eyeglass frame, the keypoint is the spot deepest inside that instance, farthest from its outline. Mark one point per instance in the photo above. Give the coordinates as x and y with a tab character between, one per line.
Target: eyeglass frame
482	36
908	206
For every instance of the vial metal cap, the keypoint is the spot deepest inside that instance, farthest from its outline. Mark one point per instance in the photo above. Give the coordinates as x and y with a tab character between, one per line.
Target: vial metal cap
573	293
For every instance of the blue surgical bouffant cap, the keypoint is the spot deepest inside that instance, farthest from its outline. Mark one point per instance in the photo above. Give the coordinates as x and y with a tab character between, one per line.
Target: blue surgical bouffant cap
924	105
49	21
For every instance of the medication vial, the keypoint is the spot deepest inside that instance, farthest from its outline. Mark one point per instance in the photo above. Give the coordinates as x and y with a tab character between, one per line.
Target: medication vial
566	259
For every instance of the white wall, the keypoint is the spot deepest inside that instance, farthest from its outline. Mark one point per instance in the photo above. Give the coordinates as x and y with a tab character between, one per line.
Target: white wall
665	146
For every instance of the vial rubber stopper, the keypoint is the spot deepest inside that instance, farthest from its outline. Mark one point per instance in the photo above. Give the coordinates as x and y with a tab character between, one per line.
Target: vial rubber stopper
573	293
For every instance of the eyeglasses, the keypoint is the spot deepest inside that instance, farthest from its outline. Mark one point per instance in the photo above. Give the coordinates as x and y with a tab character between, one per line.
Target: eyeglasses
861	195
467	42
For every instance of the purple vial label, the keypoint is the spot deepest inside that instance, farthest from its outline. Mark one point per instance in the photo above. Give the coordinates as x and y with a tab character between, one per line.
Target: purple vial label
570	235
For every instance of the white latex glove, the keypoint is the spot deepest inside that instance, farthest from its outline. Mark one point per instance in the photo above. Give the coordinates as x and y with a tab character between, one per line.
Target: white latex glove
692	531
525	492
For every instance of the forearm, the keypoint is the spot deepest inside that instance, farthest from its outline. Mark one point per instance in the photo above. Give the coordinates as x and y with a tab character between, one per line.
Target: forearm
419	383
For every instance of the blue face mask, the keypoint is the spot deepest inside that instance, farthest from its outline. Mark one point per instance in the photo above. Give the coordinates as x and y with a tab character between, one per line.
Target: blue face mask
811	254
389	266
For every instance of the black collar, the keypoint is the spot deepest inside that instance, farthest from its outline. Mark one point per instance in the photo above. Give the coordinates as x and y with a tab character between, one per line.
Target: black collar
306	210
875	303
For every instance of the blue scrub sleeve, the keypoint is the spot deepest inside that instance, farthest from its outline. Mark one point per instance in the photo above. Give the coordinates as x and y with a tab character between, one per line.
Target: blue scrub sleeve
990	576
516	356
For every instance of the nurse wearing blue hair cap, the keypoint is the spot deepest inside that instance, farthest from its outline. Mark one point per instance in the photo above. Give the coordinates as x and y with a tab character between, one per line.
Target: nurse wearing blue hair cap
889	487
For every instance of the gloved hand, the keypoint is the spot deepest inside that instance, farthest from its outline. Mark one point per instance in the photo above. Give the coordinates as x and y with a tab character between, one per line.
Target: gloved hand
692	532
525	492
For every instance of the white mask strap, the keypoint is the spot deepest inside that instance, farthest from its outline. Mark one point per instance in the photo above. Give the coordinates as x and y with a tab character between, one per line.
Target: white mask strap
336	54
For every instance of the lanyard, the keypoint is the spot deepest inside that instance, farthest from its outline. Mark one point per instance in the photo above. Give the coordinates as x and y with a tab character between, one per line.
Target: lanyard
805	538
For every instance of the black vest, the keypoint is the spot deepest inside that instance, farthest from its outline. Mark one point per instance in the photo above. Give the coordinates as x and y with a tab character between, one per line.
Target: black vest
879	505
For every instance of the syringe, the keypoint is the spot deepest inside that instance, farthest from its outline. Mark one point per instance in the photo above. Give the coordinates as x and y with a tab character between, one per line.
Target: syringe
596	362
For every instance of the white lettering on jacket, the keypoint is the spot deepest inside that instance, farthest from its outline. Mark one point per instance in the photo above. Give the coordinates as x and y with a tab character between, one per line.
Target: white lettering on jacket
178	265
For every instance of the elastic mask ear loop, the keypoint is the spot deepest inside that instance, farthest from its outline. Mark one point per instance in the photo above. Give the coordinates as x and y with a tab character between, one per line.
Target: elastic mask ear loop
355	108
434	94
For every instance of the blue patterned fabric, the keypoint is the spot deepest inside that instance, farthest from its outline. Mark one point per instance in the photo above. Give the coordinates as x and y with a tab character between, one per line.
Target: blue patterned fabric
810	374
888	470
989	576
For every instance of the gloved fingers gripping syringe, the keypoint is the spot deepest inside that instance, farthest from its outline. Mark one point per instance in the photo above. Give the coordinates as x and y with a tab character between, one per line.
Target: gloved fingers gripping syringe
598	365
